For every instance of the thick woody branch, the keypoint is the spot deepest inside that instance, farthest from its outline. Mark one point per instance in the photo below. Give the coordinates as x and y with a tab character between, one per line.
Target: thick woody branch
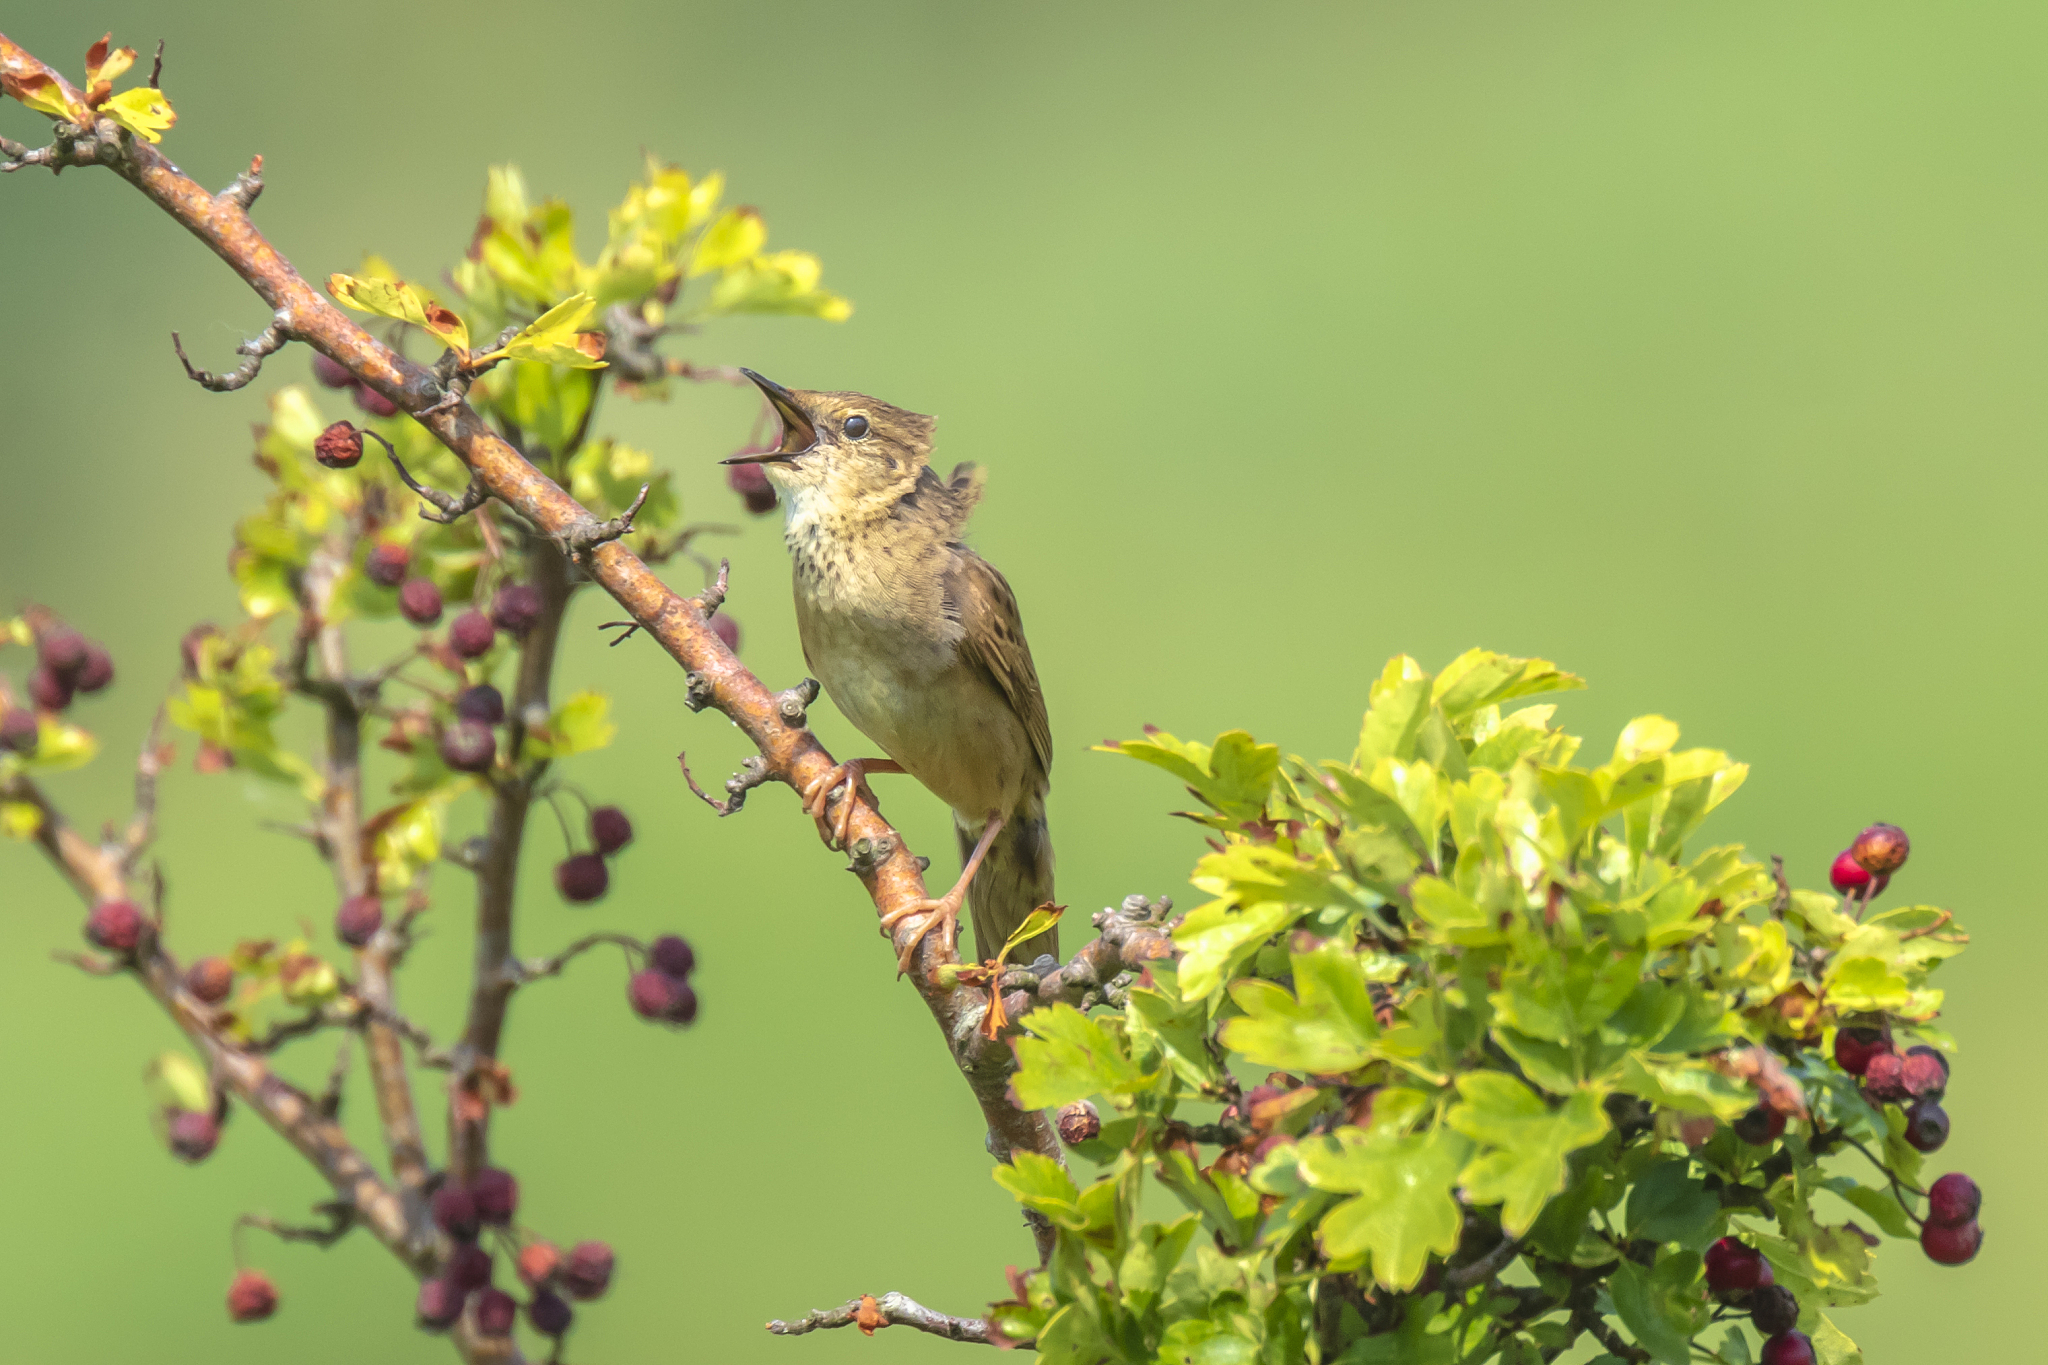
871	1314
891	875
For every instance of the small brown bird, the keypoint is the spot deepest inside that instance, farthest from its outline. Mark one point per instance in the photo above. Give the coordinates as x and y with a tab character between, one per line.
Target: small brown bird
917	640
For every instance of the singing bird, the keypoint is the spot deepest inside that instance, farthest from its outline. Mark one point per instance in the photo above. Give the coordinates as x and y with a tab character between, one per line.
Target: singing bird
918	641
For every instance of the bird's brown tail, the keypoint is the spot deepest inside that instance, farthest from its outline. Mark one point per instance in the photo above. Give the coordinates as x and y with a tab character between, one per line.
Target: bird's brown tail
1015	879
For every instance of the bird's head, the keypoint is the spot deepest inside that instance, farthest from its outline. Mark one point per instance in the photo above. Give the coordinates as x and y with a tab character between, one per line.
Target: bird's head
844	448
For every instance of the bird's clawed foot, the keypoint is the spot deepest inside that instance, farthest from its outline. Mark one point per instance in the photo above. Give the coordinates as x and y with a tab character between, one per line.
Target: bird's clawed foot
844	778
946	909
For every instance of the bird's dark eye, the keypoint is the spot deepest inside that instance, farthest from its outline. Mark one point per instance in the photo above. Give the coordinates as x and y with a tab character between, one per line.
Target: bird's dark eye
856	427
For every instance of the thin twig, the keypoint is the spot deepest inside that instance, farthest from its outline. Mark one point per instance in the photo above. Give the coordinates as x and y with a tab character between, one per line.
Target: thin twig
871	1314
526	970
266	342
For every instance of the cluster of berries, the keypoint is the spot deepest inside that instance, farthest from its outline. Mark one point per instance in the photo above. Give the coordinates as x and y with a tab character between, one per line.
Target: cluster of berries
661	991
468	742
489	1200
583	877
1864	869
1739	1274
66	664
334	375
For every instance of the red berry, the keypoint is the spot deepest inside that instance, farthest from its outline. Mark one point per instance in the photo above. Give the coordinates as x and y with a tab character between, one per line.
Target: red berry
653	993
438	1306
455	1212
581	878
1926	1125
419	601
1926	1071
469	1267
468	746
386	565
550	1313
496	1194
727	630
1953	1200
496	1311
1760	1127
98	670
1884	1078
373	402
588	1271
1881	849
481	703
1773	1309
1788	1348
192	1135
210	979
339	447
1854	1047
62	651
1849	877
1734	1267
1951	1245
115	926
331	374
472	635
18	731
516	607
610	830
1078	1122
252	1297
750	481
49	689
358	920
538	1262
672	955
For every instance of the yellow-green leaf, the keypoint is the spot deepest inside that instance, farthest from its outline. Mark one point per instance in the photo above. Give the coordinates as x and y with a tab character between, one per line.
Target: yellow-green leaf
396	299
142	111
20	819
1035	923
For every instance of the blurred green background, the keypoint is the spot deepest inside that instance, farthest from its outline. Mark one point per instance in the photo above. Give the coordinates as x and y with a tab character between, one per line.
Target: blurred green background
1697	348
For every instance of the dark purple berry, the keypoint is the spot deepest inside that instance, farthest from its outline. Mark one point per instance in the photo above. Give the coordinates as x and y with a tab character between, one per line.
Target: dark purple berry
516	607
1881	849
1760	1127
419	601
1774	1309
98	670
1926	1125
1884	1079
1951	1245
610	830
468	746
550	1313
496	1194
252	1297
1953	1200
455	1212
192	1135
469	1267
496	1311
581	878
358	920
1079	1122
438	1306
1854	1047
386	565
115	926
331	374
49	689
62	651
18	730
1788	1348
727	630
1735	1267
481	703
339	447
684	1010
210	979
588	1271
373	402
472	635
672	954
750	481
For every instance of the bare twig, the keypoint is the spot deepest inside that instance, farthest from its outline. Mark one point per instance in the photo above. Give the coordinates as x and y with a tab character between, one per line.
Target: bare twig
1458	1279
579	540
341	1220
266	342
871	1314
452	507
753	772
525	970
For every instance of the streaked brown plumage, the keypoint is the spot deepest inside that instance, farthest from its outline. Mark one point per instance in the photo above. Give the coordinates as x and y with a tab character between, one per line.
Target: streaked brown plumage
917	639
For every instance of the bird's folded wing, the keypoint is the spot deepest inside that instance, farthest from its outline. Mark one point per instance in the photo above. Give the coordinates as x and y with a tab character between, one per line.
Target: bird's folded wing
993	641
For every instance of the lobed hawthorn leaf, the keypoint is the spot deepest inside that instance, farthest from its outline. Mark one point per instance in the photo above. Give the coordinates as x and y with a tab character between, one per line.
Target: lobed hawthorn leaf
394	298
142	111
1405	1209
1528	1142
1068	1056
1327	1028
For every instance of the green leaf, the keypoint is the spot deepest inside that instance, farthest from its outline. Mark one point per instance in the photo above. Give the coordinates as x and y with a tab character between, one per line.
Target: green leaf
1480	678
578	725
1530	1142
20	819
1393	719
1327	1029
1214	939
179	1082
1882	1205
1234	776
553	338
1038	1182
1666	1204
1645	1315
1069	1056
1404	1210
1035	923
1831	1345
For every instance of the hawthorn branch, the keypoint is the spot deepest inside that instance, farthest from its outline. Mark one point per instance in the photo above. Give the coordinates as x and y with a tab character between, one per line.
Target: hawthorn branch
871	1314
892	875
267	342
525	971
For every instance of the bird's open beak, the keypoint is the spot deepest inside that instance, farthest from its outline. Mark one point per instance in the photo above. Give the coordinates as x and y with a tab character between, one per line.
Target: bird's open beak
798	435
